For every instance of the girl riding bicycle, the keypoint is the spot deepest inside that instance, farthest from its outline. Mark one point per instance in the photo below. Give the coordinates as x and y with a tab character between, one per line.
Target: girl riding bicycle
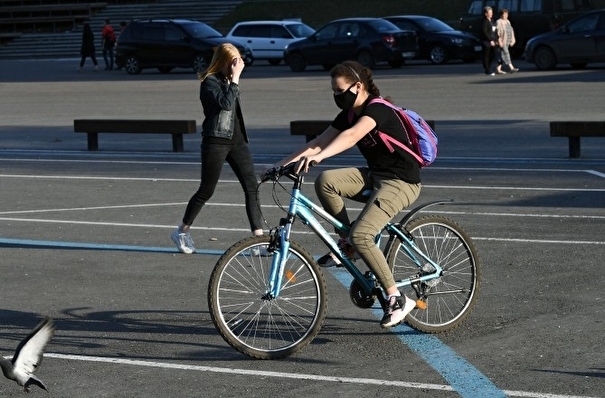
393	179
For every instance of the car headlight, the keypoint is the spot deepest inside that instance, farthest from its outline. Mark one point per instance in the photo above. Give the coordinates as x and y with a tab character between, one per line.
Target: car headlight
457	40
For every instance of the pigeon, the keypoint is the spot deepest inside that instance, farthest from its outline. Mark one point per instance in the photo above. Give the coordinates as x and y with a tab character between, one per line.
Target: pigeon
28	356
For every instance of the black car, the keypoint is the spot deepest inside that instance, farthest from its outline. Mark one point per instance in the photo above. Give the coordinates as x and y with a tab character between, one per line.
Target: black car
367	40
577	42
437	41
169	44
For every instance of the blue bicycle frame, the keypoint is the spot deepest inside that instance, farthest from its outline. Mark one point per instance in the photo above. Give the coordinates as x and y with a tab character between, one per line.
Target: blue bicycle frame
302	207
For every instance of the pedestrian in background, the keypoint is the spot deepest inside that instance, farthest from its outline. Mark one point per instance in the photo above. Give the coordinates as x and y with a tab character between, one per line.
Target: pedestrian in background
506	39
224	138
488	41
88	47
108	42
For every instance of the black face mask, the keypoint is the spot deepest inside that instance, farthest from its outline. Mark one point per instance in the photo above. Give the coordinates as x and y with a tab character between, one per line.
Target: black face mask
346	100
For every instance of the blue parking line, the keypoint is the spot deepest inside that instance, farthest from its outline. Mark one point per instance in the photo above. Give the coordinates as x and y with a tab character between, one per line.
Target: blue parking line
463	377
95	246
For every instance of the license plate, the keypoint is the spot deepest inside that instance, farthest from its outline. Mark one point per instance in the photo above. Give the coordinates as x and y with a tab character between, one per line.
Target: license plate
477	48
408	55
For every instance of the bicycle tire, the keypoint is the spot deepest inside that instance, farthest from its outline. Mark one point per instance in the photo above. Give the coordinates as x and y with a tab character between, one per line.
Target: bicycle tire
261	327
450	298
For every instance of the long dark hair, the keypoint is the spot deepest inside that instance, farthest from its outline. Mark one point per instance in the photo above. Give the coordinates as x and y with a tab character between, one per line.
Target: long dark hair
87	32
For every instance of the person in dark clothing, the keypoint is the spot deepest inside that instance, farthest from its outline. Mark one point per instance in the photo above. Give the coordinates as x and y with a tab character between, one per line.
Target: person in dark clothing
224	138
88	47
488	41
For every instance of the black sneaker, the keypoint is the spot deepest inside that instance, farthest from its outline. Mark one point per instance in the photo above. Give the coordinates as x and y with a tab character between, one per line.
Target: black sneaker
328	260
397	309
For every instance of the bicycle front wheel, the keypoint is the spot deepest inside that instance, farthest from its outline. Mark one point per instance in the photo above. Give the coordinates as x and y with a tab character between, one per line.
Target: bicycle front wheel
245	314
451	297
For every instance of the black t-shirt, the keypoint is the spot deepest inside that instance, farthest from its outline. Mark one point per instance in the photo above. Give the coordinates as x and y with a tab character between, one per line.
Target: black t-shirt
380	161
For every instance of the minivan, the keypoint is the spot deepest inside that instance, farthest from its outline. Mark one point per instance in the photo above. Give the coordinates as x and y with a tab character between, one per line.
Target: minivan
268	39
528	17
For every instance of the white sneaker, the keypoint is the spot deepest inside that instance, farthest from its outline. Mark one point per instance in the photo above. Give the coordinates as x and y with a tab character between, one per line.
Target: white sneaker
183	241
260	251
398	308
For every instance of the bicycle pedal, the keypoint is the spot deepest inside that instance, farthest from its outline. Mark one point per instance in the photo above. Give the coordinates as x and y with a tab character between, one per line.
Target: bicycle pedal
421	304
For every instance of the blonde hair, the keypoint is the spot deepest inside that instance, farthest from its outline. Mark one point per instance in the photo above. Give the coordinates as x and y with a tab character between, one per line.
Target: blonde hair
222	57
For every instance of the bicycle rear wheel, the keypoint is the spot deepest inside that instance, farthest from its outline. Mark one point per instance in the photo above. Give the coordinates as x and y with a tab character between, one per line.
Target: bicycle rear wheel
254	323
451	297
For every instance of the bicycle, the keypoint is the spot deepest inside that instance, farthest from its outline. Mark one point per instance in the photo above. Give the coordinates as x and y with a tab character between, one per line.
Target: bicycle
269	307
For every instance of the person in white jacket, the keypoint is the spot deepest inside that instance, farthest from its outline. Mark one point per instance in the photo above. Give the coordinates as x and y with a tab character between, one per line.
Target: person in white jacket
506	39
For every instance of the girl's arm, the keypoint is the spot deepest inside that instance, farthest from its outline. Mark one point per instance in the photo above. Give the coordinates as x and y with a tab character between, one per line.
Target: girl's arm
339	143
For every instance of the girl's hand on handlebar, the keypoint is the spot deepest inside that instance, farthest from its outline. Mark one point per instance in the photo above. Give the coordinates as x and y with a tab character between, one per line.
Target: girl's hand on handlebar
305	163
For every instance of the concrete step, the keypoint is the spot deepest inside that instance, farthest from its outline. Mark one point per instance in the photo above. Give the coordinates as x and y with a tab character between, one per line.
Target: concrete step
67	44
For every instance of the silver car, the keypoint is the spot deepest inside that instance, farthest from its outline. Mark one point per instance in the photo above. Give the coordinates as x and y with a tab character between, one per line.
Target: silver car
268	39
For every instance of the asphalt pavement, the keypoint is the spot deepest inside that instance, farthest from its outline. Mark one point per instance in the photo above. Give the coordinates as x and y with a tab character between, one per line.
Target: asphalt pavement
84	236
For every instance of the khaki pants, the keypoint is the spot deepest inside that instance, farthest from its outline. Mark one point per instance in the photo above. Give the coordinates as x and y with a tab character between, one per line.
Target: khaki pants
387	197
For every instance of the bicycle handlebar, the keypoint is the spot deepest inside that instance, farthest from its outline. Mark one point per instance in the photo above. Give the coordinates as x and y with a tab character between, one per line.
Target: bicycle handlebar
274	173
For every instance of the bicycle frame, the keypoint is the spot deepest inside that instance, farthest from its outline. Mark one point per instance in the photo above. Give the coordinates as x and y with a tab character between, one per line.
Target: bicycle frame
302	207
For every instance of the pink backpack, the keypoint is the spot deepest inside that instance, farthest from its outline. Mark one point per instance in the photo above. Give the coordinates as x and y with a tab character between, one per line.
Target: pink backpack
421	137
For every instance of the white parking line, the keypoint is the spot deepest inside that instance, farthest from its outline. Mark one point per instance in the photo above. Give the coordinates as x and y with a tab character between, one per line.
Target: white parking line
284	375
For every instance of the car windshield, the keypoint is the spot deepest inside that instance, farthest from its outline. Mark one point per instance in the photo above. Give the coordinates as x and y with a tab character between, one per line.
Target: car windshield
300	30
200	30
433	25
382	25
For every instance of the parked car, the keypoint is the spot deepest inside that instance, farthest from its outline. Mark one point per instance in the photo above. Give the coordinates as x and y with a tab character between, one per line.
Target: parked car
437	41
528	17
167	44
367	40
578	42
268	39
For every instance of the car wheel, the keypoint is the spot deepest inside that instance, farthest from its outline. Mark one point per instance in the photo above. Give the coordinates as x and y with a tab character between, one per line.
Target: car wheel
297	62
199	63
274	61
366	59
132	65
544	58
579	65
438	55
165	69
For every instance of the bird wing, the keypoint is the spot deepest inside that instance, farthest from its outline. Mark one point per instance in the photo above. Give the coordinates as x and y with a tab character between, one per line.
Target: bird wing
28	355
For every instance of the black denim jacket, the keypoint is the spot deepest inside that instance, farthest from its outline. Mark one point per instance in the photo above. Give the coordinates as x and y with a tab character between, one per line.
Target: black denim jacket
221	103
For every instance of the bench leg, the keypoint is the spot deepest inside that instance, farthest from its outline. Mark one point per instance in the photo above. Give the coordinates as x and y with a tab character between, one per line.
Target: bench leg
93	141
574	147
177	143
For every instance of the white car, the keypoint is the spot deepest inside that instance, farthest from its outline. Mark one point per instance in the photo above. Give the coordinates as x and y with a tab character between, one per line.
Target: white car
268	39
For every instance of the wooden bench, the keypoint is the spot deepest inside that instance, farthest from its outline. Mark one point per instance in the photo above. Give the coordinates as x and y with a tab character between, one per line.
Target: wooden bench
312	128
575	130
93	127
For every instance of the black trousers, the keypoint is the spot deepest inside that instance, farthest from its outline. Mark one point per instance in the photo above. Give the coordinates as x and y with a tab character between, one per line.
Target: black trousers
488	58
239	158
